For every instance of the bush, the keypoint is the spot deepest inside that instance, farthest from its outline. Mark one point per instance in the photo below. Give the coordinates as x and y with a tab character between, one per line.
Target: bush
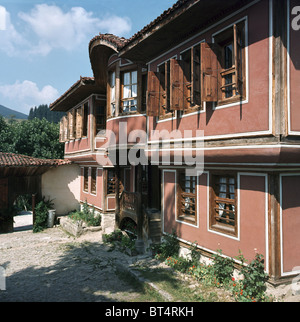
87	216
168	248
222	268
253	285
41	216
220	273
121	240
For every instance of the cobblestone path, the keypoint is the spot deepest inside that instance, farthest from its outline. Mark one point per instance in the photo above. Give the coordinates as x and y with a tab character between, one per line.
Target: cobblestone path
51	266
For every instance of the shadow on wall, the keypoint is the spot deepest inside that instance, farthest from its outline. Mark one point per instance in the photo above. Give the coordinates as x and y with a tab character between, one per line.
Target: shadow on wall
62	185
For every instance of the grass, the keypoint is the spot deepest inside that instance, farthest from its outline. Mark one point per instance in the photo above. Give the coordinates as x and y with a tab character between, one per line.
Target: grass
184	290
147	294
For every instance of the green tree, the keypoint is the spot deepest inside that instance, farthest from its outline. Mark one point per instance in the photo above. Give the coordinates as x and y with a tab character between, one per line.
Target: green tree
36	138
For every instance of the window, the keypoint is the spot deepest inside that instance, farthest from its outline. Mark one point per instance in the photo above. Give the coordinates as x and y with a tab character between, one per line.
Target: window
100	115
111	182
86	179
94	181
223	204
164	77
191	70
112	85
229	50
187	209
85	120
129	92
175	86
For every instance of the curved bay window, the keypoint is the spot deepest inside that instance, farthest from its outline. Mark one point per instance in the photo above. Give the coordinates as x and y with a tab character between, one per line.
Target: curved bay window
112	93
129	83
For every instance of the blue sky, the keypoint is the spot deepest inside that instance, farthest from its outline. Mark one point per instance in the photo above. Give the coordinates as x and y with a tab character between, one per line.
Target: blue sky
44	45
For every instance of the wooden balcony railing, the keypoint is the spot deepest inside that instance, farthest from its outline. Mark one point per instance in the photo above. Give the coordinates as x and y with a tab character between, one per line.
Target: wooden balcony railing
129	201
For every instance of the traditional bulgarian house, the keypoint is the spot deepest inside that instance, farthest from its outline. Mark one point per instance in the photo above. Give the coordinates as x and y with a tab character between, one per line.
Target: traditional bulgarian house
214	87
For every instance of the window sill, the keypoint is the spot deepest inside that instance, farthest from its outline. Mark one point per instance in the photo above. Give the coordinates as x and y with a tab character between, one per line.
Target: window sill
231	100
187	219
228	230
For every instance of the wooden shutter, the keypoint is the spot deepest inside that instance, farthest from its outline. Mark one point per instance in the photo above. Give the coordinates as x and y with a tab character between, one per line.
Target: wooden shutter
196	77
210	72
66	129
177	85
238	44
71	125
153	94
61	130
79	123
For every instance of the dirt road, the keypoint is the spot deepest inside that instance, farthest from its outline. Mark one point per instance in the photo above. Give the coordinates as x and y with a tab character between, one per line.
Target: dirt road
51	266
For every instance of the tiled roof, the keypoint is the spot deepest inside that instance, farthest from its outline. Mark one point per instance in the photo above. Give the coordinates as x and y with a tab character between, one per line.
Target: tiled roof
110	38
120	43
178	5
19	160
81	81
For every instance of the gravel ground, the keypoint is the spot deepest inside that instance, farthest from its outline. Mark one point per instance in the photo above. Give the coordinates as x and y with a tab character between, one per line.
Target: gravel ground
51	266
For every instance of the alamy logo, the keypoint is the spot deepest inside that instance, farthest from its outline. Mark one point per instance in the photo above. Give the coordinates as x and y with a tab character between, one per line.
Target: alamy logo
2	279
167	148
296	20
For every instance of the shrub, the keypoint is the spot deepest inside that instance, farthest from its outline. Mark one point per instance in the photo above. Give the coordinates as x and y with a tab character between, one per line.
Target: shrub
253	285
41	216
222	268
168	248
87	216
119	239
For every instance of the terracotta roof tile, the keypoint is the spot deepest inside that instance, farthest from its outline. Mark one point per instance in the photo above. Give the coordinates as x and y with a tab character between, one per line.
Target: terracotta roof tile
115	40
120	43
19	160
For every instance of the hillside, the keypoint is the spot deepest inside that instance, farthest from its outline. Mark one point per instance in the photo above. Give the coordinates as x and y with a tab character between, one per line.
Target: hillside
7	112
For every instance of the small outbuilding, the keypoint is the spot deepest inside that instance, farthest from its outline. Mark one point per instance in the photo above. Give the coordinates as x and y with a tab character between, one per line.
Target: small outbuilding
20	175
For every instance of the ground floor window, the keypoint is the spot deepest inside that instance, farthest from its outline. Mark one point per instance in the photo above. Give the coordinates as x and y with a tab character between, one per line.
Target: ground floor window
223	201
187	197
86	179
111	181
94	181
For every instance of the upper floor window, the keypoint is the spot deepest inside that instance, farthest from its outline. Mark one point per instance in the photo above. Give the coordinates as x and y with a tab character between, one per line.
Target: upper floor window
206	72
112	85
75	124
223	66
100	116
129	92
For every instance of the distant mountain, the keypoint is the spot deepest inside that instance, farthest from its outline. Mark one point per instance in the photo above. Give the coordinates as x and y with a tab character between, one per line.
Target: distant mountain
7	112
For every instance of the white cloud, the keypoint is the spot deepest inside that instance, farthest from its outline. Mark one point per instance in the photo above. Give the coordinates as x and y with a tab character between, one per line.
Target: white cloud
118	26
48	27
68	30
27	94
10	40
2	18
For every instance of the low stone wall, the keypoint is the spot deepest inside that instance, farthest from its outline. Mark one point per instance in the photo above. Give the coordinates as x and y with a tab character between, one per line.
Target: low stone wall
76	228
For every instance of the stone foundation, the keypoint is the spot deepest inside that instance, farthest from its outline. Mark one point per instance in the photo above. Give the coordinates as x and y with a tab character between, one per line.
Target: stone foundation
108	223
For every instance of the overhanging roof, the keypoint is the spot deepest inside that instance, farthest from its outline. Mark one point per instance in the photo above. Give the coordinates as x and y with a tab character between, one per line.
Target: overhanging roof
180	22
82	89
